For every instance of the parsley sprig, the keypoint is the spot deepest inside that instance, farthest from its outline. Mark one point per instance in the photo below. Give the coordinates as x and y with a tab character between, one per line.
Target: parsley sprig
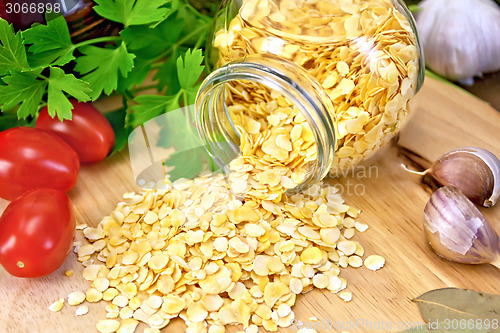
42	66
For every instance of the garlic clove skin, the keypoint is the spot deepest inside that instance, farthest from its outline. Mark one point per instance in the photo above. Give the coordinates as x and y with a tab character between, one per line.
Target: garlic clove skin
475	171
494	165
456	229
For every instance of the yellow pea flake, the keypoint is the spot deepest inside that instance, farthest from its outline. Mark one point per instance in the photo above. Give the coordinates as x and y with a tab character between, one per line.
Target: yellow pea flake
212	302
349	233
283	310
196	312
254	230
150	217
173	304
374	262
90	272
120	301
128	325
347	247
320	281
355	261
296	286
76	298
274	291
101	284
158	262
346	296
109	294
252	126
126	313
217	283
107	325
311	256
57	305
283	142
329	235
81	226
81	310
93	295
342	68
246	213
361	227
134	303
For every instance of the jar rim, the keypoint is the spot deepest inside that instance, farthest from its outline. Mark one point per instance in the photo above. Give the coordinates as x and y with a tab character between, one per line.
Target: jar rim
288	79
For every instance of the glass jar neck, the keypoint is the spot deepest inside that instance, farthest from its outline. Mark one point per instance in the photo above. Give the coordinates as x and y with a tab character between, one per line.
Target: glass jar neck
288	79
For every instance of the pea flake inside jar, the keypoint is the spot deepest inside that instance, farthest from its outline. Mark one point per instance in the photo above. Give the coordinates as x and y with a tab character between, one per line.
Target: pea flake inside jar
364	56
276	143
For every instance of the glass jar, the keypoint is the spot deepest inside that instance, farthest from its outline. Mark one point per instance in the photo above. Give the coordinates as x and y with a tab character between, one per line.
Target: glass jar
348	67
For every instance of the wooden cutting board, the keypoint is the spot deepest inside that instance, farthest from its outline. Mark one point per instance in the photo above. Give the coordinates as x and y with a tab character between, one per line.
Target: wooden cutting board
392	205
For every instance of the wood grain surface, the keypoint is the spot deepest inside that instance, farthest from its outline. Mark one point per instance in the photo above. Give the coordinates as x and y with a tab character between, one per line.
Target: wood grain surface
392	204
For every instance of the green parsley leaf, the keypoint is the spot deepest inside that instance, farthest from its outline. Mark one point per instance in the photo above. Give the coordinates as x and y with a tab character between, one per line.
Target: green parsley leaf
189	163
148	42
190	68
179	124
22	88
151	106
131	12
52	41
190	156
167	74
60	82
136	76
101	67
12	50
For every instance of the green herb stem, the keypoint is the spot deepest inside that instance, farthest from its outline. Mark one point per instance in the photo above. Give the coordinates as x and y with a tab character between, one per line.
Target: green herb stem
193	33
98	40
41	76
157	64
128	95
146	87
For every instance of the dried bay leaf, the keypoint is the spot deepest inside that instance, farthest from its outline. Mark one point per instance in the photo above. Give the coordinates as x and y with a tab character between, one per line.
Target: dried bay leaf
454	303
459	310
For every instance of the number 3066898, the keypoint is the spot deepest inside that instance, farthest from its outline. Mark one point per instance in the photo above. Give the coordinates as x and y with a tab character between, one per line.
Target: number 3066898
31	8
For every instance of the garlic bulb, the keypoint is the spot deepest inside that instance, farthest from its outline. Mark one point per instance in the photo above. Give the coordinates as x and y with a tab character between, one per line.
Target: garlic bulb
457	230
460	37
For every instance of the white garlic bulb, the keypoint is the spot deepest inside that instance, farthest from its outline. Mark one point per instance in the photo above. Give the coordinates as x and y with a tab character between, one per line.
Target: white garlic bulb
461	38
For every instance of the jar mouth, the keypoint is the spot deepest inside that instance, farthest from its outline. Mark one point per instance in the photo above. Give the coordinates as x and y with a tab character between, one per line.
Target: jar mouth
221	137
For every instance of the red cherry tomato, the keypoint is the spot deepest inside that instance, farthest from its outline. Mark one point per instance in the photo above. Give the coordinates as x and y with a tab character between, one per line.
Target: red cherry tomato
88	132
31	158
36	233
